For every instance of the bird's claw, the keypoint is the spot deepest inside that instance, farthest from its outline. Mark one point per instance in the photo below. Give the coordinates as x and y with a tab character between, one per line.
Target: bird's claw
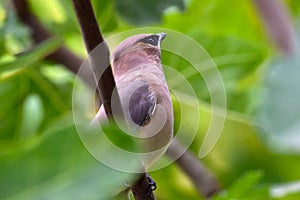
152	184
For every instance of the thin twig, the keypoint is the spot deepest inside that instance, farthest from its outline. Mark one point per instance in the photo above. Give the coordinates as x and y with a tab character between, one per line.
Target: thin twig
203	179
278	23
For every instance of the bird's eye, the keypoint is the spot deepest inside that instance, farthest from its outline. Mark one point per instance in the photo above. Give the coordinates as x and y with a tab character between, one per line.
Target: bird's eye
152	40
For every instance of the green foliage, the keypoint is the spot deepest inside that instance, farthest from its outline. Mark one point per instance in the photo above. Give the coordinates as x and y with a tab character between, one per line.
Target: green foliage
178	185
294	7
42	157
120	138
32	114
56	166
14	37
212	18
106	14
30	58
235	59
145	12
236	45
246	187
18	80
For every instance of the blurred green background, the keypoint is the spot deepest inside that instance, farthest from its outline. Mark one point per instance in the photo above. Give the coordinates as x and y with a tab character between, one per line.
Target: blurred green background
257	155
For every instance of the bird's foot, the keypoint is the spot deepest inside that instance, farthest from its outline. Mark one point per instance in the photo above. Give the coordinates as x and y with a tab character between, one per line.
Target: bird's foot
152	184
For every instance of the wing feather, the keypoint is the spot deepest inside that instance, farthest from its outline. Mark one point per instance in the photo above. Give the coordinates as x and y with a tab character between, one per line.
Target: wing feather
142	105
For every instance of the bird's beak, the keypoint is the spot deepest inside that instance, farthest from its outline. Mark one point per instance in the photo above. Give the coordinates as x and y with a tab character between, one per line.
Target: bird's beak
161	37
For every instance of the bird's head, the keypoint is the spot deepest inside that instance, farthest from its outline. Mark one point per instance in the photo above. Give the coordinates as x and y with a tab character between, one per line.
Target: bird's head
137	50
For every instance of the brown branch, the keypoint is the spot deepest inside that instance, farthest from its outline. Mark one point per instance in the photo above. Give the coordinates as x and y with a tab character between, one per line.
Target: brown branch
278	23
101	65
100	60
203	179
89	27
141	190
39	34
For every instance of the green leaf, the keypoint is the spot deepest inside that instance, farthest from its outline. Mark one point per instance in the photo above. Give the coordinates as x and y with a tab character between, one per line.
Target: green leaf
239	147
13	92
212	17
145	12
57	166
236	44
32	115
105	14
244	184
48	11
234	58
31	57
246	188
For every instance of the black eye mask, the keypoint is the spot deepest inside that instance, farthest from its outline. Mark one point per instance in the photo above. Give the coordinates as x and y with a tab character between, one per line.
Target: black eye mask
152	40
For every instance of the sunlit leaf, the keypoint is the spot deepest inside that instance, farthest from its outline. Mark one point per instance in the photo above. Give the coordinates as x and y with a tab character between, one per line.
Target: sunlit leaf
31	57
32	115
246	187
243	185
48	10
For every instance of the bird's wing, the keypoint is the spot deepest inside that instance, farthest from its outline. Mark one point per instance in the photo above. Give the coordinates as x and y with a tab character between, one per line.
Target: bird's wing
142	105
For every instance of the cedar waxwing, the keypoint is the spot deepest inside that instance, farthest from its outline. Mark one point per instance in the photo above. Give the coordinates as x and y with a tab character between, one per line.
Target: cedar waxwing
144	94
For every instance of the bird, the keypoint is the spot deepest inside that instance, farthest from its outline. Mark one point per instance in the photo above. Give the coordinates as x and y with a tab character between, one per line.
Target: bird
144	95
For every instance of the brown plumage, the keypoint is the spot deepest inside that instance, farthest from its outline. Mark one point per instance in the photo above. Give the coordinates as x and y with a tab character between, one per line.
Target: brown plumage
144	94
